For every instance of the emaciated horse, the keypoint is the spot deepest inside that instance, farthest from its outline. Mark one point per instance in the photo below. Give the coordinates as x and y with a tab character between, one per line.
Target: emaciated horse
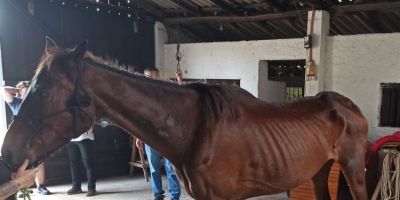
223	142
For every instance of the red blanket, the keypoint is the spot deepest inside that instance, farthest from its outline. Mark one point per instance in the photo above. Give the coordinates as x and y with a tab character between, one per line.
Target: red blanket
395	137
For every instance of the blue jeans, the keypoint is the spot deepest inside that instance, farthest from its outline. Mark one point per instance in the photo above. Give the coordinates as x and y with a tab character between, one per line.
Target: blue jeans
76	151
154	160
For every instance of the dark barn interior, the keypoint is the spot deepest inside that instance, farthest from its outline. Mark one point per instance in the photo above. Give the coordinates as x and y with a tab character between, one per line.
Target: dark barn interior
111	36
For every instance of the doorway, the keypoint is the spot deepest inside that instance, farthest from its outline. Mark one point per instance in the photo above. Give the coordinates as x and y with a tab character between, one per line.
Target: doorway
281	80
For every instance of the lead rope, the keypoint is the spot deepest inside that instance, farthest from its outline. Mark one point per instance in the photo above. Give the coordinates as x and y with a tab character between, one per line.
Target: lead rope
389	185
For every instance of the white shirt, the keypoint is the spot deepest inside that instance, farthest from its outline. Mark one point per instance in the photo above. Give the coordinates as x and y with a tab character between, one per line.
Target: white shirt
87	135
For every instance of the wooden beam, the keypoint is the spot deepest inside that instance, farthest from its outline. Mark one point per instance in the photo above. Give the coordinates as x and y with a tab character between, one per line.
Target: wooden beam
315	3
233	19
249	28
246	7
195	11
334	10
382	7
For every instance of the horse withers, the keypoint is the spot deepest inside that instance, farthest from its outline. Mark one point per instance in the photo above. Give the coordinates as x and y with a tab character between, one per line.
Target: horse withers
224	142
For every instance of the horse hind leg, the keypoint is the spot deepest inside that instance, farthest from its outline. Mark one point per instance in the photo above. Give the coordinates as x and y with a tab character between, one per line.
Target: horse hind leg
320	181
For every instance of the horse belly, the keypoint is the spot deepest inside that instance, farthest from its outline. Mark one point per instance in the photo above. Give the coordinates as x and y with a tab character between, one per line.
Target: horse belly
282	172
245	166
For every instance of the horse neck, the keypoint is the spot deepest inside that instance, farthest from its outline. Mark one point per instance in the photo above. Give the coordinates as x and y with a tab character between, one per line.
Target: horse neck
154	111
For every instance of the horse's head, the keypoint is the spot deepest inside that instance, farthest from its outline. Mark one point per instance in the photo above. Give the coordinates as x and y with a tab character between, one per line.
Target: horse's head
56	108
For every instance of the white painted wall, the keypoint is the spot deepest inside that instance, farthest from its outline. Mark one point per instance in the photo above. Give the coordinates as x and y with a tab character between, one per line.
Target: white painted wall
160	38
355	66
358	64
230	60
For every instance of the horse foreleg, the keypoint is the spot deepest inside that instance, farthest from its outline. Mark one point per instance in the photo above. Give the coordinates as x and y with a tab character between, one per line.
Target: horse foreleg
320	181
352	163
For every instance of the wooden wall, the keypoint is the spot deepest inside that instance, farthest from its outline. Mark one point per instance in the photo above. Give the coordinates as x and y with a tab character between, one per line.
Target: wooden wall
306	191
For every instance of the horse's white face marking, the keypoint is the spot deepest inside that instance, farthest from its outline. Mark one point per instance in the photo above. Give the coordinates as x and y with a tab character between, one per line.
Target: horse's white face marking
163	133
170	120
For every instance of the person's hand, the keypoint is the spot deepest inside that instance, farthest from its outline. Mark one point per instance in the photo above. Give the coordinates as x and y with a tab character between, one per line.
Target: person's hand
23	177
178	75
139	143
18	93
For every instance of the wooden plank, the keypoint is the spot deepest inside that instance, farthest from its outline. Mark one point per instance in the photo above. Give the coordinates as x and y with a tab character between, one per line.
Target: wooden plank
382	7
334	10
233	19
306	190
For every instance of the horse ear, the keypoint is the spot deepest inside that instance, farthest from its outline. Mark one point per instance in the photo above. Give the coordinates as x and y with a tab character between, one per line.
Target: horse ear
50	45
80	50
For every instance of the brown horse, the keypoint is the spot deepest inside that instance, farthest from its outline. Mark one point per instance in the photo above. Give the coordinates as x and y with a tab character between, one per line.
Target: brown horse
223	142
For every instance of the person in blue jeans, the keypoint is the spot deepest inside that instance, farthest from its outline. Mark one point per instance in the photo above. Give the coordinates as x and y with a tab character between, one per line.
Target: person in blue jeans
154	159
80	149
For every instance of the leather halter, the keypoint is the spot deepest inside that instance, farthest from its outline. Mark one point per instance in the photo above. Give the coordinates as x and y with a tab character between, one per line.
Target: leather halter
74	105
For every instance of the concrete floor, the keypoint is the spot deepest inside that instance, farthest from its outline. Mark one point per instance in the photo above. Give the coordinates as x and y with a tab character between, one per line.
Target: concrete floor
120	188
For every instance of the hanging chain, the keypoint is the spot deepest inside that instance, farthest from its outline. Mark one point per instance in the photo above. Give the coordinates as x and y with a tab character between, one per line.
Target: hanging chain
178	55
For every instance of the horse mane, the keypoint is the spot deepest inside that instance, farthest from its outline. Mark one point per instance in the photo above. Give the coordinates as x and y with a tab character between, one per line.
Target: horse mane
113	63
51	54
214	100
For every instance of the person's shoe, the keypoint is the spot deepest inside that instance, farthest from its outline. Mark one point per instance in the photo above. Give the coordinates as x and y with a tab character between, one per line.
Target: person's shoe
159	197
20	195
91	192
74	190
43	190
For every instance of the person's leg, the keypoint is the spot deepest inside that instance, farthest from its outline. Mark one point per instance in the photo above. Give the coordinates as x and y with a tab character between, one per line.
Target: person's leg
40	175
174	188
40	180
154	160
75	164
85	147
